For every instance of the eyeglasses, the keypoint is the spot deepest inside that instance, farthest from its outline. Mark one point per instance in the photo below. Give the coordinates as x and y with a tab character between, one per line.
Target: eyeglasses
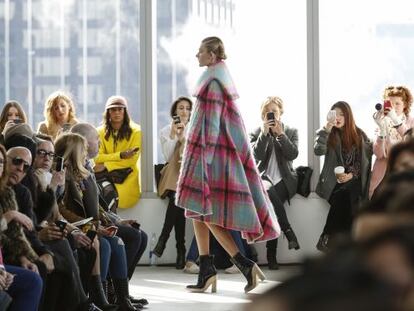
17	161
43	153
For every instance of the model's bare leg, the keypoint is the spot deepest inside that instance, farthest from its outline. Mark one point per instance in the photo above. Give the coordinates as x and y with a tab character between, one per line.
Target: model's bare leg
202	234
207	275
225	239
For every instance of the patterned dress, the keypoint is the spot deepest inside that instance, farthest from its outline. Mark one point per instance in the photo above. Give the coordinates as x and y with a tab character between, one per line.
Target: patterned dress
219	182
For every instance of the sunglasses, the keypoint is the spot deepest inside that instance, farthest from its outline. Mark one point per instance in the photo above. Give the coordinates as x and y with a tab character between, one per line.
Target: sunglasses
17	161
43	153
399	88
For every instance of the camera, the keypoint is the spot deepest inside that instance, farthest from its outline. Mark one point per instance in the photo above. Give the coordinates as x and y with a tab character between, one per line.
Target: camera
59	163
61	224
176	119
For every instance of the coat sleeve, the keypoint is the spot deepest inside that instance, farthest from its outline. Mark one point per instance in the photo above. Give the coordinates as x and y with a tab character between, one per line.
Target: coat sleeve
289	144
321	140
113	161
259	143
213	106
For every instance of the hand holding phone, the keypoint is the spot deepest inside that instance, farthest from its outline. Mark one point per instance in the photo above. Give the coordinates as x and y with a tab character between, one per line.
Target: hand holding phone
61	225
59	163
331	117
91	234
111	230
387	106
176	119
136	149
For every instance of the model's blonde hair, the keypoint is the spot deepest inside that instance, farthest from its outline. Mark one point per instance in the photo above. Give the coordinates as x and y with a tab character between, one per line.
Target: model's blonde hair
216	46
73	148
400	91
272	100
51	102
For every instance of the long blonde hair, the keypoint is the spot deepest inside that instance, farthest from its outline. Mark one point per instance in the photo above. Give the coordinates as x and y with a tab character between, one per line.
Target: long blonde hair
73	148
48	113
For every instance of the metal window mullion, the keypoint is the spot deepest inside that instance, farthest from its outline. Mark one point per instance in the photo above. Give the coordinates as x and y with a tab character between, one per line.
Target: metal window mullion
118	47
85	59
7	49
313	83
29	62
148	91
62	45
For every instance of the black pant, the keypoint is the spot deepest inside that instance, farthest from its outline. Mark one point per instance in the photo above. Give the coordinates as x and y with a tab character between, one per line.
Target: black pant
344	200
174	217
135	241
278	195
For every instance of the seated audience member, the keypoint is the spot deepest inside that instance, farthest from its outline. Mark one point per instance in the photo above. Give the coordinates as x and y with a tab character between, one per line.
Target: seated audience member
172	139
120	149
339	281
59	113
56	253
12	113
134	238
47	182
344	146
393	121
81	201
275	146
400	158
26	288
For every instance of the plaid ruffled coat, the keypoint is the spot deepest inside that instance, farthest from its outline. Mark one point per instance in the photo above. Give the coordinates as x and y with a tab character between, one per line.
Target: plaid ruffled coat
219	182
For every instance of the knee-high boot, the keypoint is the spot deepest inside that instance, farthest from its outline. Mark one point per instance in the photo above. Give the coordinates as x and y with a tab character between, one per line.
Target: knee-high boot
206	277
250	270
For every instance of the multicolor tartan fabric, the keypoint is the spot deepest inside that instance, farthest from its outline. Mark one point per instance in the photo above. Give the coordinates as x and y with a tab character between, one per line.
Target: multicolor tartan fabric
219	182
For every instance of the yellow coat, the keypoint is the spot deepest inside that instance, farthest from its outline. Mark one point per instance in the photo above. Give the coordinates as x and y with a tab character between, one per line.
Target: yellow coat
109	154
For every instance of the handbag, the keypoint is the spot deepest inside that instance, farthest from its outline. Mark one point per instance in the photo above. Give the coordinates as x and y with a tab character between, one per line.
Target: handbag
304	174
117	176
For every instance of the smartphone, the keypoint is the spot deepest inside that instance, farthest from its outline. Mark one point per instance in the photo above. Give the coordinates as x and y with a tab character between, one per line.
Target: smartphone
59	163
176	119
112	230
66	127
17	121
91	234
61	224
331	116
136	149
270	116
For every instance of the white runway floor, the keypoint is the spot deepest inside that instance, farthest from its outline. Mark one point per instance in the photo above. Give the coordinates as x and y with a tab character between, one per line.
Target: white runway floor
164	287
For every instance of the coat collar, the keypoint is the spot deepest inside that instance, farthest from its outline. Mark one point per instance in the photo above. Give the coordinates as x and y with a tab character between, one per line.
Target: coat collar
220	73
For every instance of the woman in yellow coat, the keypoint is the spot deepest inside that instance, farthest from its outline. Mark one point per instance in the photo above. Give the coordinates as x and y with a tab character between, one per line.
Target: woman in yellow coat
120	148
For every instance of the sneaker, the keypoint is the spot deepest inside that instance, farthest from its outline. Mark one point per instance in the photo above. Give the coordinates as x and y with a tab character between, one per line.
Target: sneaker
232	270
191	268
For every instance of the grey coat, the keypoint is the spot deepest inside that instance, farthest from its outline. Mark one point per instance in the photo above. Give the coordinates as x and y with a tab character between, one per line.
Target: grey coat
333	158
286	148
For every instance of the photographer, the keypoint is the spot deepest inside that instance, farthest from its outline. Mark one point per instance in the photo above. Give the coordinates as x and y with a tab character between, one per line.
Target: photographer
275	146
344	146
393	121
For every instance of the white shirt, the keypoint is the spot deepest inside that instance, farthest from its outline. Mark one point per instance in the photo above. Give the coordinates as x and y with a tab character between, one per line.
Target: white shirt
168	144
272	170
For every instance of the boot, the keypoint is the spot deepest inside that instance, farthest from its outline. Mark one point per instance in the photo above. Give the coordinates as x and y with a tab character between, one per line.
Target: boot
206	277
97	295
292	240
160	246
88	306
250	270
271	259
141	301
122	296
180	262
322	244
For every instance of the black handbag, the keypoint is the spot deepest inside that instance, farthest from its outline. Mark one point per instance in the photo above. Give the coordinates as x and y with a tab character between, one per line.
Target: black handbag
304	174
117	176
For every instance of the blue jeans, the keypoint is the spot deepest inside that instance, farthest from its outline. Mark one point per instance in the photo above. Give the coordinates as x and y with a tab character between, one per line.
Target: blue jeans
113	258
25	290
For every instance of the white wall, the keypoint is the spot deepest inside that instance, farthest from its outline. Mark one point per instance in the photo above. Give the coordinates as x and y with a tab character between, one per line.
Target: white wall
306	215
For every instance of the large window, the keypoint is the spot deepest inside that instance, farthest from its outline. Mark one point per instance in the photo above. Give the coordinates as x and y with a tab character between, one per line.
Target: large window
266	46
89	48
364	47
